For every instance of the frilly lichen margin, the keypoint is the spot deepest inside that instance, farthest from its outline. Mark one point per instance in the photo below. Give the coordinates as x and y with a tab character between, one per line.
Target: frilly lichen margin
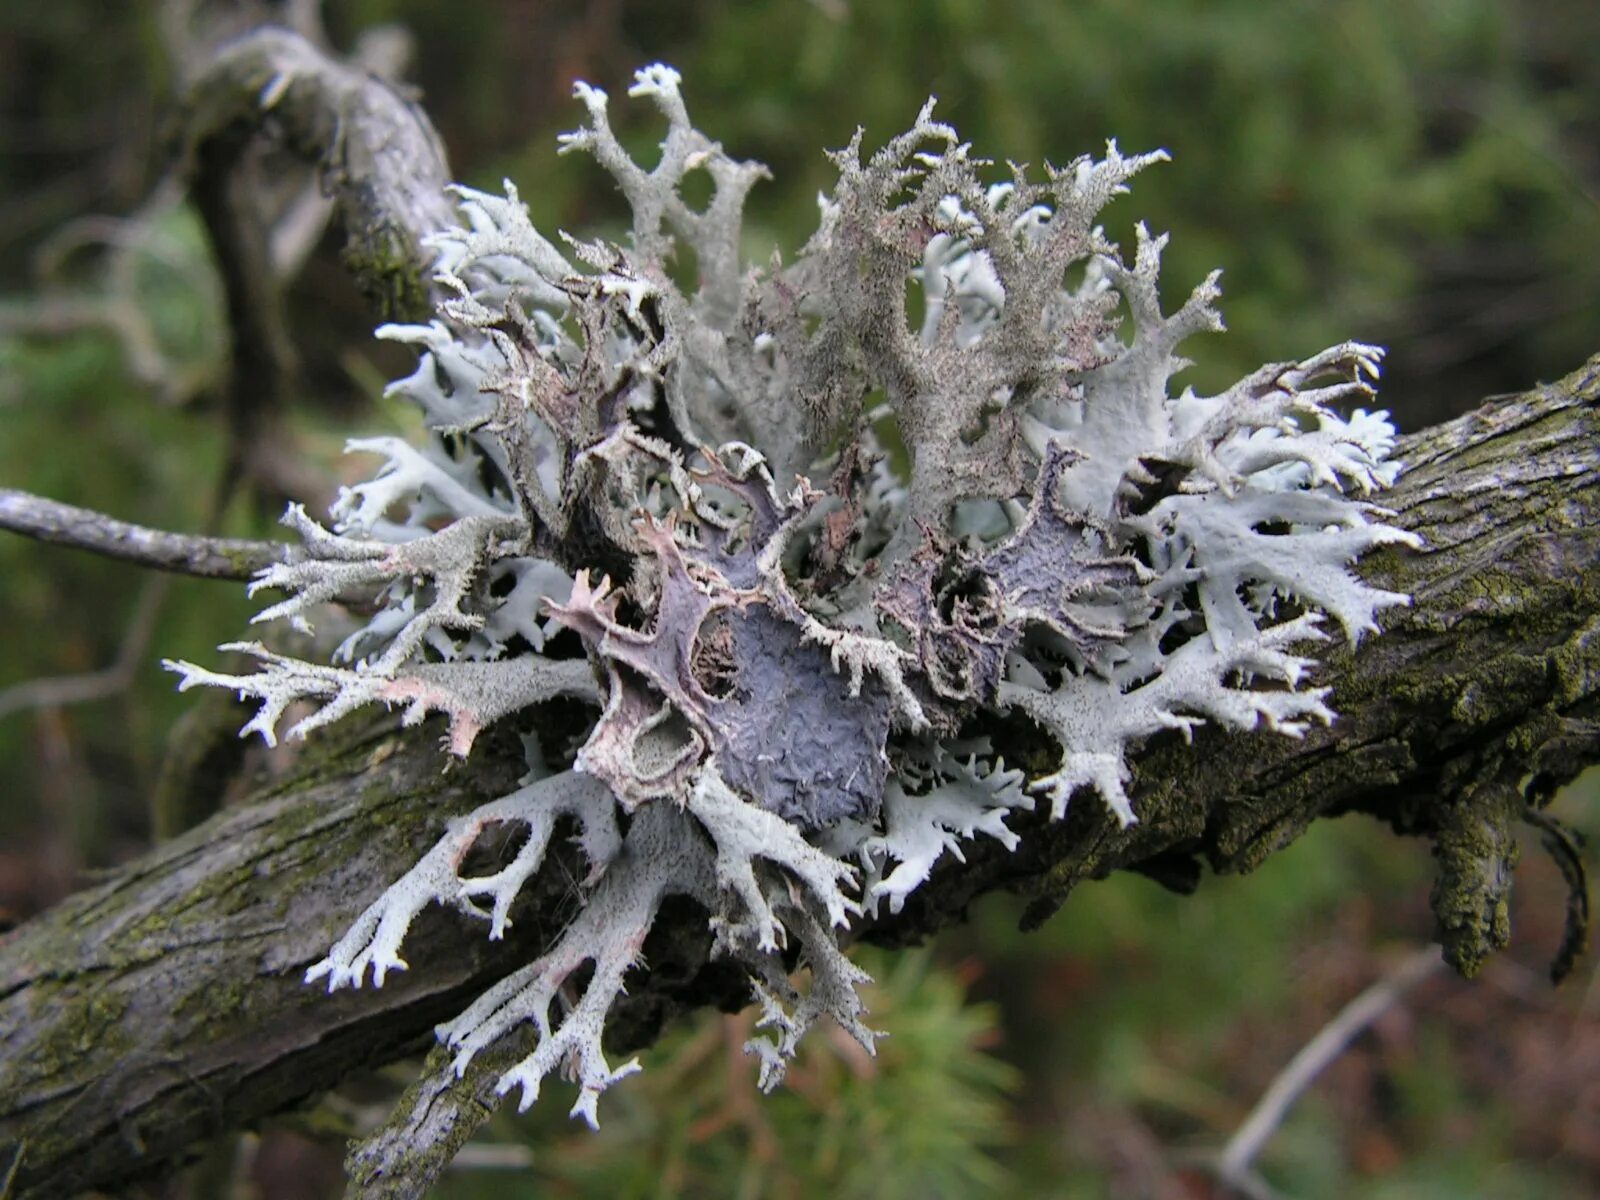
1103	598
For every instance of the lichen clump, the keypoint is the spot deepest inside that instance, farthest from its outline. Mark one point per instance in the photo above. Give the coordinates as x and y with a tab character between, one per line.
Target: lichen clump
682	507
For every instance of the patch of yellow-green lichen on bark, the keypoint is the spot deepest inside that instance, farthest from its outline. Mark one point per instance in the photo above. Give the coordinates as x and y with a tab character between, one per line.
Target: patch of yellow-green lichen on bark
82	1023
1509	631
1576	662
390	273
1518	655
216	1005
82	1027
213	898
426	1162
1476	847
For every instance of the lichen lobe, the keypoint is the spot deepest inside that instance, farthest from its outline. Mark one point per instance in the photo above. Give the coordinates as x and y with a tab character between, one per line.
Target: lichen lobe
673	504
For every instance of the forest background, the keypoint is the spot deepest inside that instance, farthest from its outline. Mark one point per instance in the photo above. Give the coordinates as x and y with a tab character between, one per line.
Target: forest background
1424	174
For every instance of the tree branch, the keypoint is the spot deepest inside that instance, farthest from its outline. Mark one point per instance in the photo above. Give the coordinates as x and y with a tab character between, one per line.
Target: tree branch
84	529
379	155
165	1004
373	152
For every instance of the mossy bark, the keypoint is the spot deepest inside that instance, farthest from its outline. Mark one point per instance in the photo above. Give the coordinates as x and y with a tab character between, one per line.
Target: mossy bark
165	1004
378	153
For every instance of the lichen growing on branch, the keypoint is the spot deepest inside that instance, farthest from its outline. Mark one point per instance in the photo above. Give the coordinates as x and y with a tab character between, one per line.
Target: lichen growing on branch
683	505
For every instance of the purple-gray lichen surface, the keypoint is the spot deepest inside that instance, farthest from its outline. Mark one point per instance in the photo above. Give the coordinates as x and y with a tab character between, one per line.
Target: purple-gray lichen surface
681	505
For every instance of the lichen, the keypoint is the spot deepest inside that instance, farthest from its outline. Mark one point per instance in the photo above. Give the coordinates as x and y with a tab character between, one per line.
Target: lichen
793	608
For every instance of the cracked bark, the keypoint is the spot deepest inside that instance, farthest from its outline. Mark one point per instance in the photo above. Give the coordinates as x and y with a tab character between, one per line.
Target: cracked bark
164	1004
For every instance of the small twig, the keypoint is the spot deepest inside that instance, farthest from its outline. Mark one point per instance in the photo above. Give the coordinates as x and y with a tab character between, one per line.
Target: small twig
85	529
1233	1167
1565	848
61	690
401	1158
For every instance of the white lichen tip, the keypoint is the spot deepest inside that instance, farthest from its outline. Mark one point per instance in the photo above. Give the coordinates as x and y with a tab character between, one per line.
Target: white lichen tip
657	79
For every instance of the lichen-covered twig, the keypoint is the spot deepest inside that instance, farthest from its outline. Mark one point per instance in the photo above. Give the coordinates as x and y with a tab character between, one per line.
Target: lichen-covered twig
787	670
809	693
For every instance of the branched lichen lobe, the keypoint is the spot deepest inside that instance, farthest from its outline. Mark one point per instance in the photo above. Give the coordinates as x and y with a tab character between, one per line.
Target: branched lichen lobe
806	693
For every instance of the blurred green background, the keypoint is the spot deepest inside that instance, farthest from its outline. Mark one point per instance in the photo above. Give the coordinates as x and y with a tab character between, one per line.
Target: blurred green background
1420	173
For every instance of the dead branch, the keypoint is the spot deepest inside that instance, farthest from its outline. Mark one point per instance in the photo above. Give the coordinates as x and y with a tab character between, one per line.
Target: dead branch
378	154
1332	1040
85	529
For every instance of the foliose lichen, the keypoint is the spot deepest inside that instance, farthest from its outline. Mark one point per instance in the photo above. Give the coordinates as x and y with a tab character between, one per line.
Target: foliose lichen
679	505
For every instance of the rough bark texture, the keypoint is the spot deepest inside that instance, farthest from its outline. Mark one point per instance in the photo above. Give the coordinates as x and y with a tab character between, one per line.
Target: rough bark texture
368	148
379	155
165	1004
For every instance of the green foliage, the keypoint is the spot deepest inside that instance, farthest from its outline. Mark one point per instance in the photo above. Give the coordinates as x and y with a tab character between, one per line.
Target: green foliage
922	1119
1407	173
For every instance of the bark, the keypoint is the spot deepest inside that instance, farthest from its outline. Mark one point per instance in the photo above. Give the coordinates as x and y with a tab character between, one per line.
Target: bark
164	1005
85	529
358	140
378	153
